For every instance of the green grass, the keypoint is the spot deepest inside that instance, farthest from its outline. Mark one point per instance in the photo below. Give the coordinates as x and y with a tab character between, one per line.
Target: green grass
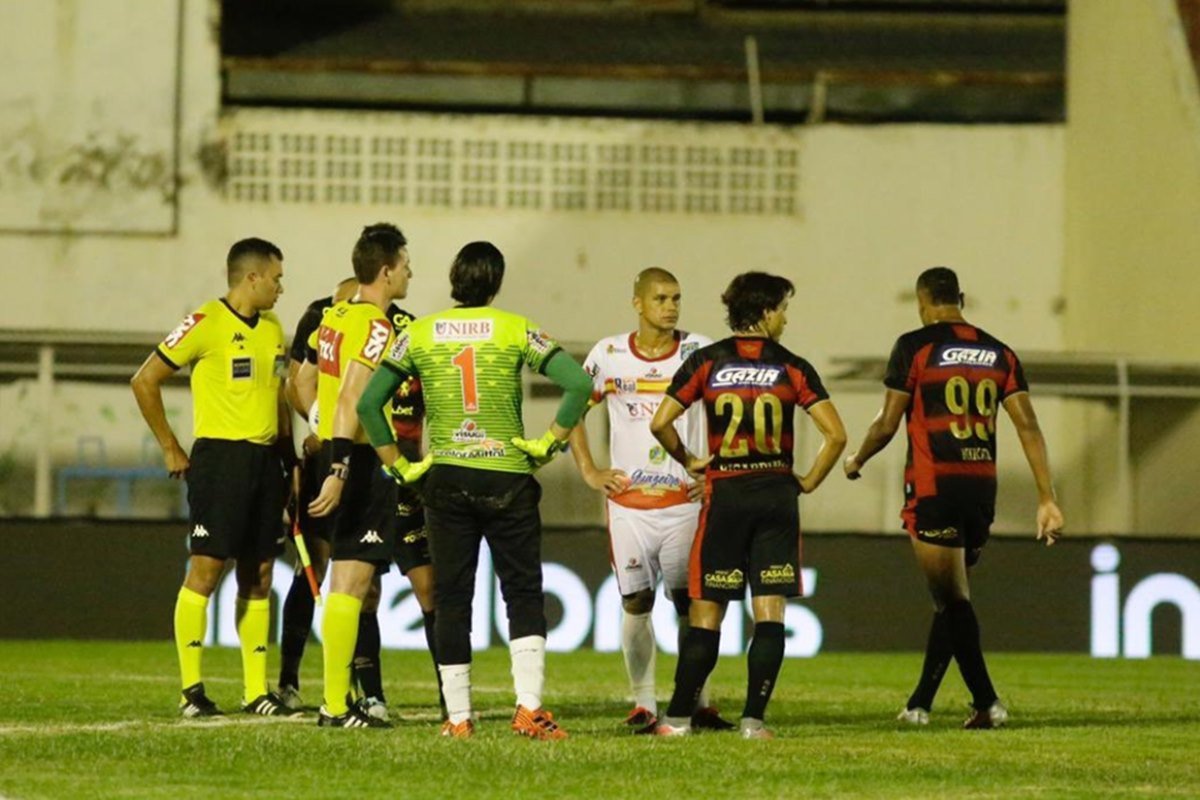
84	720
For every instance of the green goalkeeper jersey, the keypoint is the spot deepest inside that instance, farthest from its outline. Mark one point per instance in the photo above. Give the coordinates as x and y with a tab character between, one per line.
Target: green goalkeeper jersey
469	361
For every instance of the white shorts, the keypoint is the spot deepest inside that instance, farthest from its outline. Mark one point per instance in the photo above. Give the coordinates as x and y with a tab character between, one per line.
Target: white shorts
648	543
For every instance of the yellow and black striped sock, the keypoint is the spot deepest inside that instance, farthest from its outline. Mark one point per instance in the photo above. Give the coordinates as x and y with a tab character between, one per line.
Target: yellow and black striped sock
253	625
191	626
339	630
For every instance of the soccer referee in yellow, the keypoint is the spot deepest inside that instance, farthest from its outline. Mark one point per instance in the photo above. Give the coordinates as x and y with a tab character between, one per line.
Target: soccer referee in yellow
235	476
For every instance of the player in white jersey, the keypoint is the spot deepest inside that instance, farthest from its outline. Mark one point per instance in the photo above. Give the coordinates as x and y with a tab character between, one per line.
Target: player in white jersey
653	504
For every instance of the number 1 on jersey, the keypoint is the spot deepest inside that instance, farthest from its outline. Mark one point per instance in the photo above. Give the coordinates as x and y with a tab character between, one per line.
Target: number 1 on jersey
465	361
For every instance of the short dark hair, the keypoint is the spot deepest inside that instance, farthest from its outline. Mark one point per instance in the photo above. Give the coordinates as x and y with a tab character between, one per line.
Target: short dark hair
942	285
476	274
247	254
652	275
378	246
751	295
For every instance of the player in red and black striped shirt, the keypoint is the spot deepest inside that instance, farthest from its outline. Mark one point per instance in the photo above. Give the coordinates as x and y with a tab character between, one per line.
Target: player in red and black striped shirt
950	378
749	529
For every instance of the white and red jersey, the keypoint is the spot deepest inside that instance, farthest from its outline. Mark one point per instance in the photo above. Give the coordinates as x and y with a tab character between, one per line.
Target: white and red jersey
633	386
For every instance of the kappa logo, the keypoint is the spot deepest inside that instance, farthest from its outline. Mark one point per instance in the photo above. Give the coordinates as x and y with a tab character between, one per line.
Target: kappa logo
633	566
183	329
377	341
199	532
260	649
371	537
195	643
238	337
745	375
968	357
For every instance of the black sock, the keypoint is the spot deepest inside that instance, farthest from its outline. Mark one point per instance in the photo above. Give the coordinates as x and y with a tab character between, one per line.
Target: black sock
697	657
431	640
763	663
366	656
964	633
297	623
939	651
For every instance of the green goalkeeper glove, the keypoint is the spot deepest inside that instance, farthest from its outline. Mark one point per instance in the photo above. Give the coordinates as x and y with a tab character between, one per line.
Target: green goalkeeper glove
405	472
540	451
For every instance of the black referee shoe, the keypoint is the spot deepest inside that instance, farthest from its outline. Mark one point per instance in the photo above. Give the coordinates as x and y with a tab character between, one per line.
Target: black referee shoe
269	705
354	717
196	703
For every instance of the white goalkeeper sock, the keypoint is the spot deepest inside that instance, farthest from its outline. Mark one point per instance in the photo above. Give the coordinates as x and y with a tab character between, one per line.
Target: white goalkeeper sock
456	689
528	669
640	650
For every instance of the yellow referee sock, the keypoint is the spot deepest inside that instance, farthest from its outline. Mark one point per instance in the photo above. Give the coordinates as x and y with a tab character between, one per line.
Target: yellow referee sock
339	630
191	626
253	624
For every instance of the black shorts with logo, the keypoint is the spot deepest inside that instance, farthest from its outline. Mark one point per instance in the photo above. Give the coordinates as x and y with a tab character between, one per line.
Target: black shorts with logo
364	526
949	522
412	540
749	534
236	493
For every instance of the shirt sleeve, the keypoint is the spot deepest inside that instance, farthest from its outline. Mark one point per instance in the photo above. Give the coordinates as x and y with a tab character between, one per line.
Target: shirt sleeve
187	342
899	368
398	357
1015	382
593	365
377	338
807	383
540	347
688	384
310	320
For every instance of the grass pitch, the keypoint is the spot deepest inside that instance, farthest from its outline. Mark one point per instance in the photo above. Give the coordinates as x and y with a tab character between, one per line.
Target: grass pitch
97	720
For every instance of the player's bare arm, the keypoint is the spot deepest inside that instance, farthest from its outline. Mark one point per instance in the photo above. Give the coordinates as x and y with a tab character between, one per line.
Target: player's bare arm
610	481
302	393
663	428
345	426
833	433
881	431
147	388
1049	515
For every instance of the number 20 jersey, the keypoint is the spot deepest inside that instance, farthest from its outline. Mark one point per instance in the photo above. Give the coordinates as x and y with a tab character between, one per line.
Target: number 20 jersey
956	376
750	387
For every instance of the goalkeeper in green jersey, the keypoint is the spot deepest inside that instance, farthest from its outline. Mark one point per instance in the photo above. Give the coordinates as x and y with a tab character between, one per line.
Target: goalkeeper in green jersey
480	485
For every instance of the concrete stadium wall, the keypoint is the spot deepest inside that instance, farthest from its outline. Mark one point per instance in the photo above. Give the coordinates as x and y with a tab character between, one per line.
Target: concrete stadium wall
865	209
1132	189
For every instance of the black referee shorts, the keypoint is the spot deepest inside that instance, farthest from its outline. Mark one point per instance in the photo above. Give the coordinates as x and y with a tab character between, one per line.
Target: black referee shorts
364	525
312	475
748	535
236	493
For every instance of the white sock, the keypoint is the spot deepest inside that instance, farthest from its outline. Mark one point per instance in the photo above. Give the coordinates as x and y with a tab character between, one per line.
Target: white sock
702	698
528	669
456	688
640	649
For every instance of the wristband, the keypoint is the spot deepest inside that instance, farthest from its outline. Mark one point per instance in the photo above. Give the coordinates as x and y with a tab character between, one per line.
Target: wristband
339	450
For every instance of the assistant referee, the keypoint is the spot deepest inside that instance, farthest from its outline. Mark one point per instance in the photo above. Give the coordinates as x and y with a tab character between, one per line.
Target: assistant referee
235	475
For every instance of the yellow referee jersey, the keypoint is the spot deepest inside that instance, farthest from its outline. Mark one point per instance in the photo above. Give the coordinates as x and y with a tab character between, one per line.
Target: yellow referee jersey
237	364
350	331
